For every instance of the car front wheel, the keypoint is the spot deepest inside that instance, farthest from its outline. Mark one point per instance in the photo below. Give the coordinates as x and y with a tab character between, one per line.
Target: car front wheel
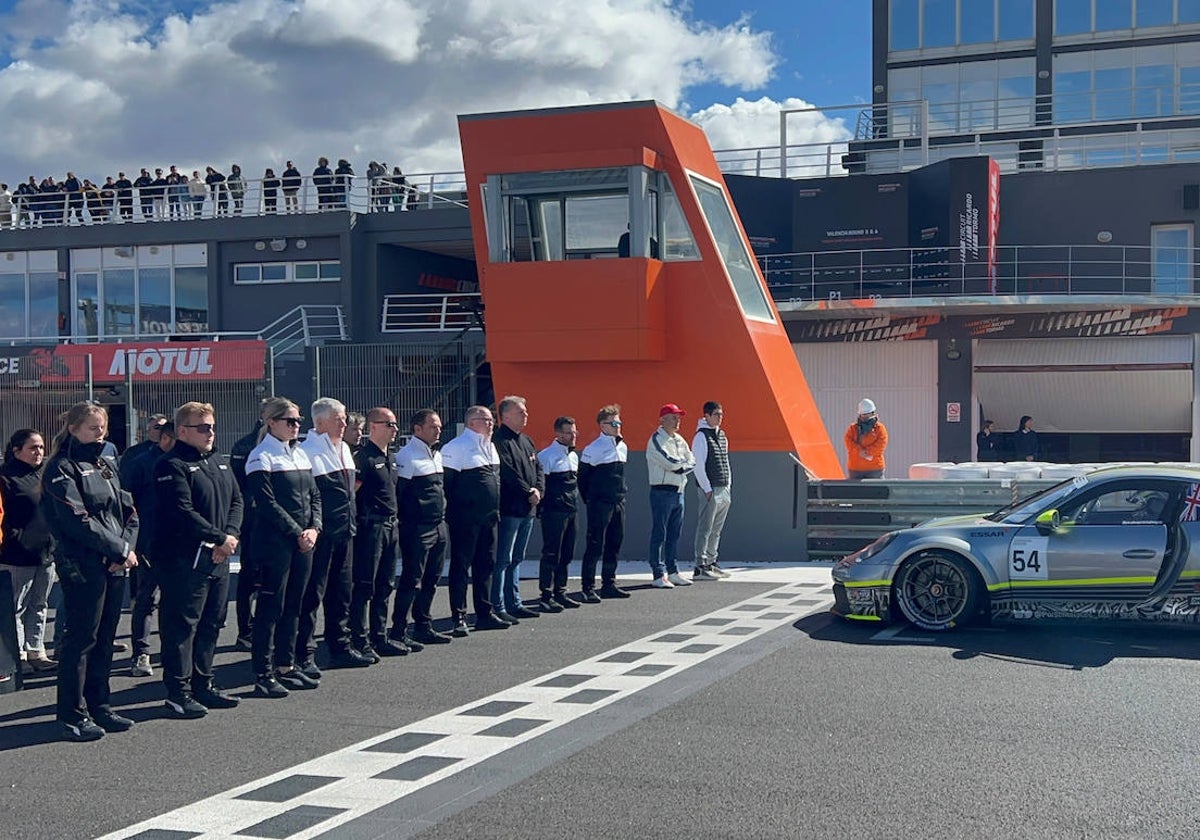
938	591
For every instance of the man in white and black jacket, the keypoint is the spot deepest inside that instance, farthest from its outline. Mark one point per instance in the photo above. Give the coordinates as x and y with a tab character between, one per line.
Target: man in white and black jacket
421	501
669	461
331	582
602	486
560	464
199	514
714	482
522	486
472	475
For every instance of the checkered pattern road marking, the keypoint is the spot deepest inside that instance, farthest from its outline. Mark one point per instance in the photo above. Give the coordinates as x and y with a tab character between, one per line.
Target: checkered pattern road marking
314	797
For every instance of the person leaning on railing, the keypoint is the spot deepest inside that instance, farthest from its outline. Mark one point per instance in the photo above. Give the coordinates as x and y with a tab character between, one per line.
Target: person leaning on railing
270	191
236	185
290	182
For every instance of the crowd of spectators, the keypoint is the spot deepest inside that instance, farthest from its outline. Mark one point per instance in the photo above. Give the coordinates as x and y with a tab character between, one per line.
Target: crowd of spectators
173	196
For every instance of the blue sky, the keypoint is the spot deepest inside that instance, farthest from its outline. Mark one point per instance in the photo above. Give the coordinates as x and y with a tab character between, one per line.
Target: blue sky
102	85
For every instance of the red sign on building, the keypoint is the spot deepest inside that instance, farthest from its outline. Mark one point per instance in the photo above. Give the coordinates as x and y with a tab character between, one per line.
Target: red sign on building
143	361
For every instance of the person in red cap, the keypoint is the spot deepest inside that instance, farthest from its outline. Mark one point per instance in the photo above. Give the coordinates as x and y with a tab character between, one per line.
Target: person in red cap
669	461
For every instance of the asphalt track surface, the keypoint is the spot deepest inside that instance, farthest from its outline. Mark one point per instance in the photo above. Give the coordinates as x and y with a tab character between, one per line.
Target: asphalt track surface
769	718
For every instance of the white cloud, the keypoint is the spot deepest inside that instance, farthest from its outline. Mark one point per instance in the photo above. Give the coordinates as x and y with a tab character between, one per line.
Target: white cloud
753	125
98	85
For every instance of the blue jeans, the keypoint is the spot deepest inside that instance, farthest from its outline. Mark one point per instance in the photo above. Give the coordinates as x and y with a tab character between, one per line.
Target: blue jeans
666	511
511	542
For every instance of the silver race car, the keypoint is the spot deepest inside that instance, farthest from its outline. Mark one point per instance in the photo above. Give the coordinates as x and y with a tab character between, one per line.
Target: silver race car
1120	542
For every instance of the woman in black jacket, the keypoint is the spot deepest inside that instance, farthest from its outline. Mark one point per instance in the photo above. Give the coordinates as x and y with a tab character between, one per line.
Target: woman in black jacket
27	551
287	520
95	526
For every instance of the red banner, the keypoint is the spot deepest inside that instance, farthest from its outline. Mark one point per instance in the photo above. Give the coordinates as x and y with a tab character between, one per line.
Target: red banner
993	217
144	361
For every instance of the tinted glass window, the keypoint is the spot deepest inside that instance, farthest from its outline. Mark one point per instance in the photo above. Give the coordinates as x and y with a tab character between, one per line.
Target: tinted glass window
739	265
938	23
43	304
1072	17
1155	12
1016	19
12	305
903	21
118	302
1113	14
978	22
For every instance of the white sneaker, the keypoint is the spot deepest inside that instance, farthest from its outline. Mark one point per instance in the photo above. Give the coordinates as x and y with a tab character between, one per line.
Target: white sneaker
703	573
141	666
718	571
662	583
678	580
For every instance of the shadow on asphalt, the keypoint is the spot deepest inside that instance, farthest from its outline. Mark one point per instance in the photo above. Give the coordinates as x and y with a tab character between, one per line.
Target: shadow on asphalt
1052	644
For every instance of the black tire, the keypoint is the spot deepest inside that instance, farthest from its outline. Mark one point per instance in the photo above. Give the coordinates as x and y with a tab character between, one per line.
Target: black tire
938	591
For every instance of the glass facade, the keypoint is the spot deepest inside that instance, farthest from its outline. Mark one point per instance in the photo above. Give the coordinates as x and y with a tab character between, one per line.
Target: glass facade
932	24
971	95
28	294
287	272
139	291
1083	17
1120	84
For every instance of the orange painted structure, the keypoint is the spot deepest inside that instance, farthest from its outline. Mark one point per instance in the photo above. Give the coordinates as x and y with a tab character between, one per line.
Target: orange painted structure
573	330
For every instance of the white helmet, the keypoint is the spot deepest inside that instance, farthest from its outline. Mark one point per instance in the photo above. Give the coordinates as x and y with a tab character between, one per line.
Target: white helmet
866	407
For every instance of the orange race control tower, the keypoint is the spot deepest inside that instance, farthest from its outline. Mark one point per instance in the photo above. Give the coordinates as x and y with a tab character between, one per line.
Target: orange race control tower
614	268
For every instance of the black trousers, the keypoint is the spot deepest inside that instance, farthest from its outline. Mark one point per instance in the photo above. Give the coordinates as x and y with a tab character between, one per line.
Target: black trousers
374	569
192	612
93	600
247	583
558	548
472	546
423	554
284	576
330	585
145	590
605	533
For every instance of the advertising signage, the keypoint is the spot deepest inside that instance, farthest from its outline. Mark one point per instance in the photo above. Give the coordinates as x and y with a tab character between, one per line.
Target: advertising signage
141	361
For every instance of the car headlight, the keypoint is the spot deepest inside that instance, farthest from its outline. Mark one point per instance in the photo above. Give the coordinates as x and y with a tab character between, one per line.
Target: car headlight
864	554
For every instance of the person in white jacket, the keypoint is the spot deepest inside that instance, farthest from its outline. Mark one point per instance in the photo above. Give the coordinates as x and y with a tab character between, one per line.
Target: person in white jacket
669	461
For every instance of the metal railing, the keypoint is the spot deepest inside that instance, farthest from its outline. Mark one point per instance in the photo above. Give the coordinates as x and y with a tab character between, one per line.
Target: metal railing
108	204
430	312
304	326
1018	270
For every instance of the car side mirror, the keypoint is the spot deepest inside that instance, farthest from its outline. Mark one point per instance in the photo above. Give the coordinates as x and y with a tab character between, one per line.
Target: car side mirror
1048	521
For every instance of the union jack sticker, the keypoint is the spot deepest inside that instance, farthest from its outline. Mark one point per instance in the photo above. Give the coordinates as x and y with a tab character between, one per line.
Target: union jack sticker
1191	504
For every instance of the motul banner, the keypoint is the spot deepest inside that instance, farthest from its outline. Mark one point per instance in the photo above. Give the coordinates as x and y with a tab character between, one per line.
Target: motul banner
142	361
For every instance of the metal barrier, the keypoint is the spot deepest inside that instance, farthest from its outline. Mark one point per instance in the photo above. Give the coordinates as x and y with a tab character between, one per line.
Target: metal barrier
844	516
425	313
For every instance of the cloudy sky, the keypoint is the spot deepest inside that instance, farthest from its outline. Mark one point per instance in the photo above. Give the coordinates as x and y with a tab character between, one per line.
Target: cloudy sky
101	85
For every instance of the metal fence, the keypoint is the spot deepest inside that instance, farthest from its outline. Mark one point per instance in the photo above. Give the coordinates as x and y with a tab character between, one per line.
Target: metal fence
405	377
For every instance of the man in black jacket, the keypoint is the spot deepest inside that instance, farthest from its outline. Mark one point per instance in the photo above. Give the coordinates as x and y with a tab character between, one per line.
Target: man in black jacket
472	474
421	501
375	541
145	187
200	517
560	464
522	485
124	188
602	485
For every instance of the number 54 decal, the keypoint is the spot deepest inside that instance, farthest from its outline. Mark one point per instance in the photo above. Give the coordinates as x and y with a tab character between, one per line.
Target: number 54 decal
1027	558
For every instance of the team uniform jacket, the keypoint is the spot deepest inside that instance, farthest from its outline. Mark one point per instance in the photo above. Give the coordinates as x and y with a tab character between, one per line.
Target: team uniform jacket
88	512
602	470
334	472
420	484
238	454
520	472
561	468
377	483
668	459
711	448
286	501
472	468
198	502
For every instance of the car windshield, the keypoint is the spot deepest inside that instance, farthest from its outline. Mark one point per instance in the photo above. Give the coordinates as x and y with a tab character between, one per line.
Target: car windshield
1022	511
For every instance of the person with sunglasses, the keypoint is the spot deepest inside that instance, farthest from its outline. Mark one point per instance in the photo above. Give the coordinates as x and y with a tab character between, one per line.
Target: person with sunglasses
287	505
602	486
376	541
199	513
95	526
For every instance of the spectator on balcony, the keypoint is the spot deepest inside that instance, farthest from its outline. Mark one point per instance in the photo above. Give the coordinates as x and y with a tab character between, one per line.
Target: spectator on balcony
124	191
176	193
1025	440
74	192
216	185
94	199
290	182
236	185
158	192
23	202
866	439
52	202
398	185
197	190
342	183
322	179
6	207
270	191
376	184
144	185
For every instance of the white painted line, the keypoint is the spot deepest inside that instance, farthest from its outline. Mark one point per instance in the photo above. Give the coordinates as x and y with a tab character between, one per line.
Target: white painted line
357	790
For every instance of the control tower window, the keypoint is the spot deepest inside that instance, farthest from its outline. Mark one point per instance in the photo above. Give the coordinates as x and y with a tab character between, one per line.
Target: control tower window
739	265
